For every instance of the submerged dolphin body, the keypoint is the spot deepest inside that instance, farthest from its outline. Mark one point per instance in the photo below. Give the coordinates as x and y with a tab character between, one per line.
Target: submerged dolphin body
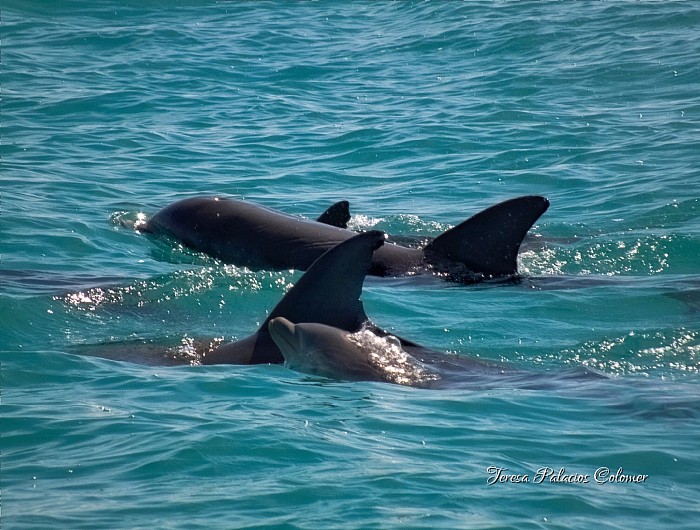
329	352
484	246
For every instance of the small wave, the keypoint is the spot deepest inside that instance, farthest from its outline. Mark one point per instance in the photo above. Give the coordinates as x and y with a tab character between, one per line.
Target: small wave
133	220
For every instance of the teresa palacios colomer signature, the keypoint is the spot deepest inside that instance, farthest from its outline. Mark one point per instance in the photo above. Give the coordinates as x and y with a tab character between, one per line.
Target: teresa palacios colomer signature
602	475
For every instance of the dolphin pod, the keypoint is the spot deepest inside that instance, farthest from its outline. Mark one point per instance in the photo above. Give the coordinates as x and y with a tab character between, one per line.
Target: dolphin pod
320	325
483	247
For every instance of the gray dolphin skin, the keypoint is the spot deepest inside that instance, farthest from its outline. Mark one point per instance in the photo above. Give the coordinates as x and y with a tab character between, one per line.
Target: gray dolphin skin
321	350
483	247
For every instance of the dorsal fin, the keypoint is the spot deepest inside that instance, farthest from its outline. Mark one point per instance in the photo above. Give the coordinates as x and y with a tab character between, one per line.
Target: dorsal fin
329	291
488	242
337	215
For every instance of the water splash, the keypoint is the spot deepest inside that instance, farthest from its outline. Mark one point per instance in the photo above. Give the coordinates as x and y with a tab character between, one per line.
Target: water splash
386	356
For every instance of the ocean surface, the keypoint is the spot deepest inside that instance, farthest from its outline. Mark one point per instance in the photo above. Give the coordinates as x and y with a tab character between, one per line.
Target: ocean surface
420	114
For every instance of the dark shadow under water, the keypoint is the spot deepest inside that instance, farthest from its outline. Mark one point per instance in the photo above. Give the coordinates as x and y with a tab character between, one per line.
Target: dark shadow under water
13	281
454	371
461	371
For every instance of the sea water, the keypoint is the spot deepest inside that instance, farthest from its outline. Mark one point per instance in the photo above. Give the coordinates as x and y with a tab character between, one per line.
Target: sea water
420	114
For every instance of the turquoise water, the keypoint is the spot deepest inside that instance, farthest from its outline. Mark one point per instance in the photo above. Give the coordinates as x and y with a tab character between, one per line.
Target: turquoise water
419	114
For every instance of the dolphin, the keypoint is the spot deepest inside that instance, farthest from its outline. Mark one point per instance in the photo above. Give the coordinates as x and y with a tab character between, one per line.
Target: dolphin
483	247
327	293
341	341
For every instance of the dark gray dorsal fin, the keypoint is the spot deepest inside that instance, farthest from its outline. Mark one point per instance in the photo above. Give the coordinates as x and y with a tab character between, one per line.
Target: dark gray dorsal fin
329	291
488	242
337	214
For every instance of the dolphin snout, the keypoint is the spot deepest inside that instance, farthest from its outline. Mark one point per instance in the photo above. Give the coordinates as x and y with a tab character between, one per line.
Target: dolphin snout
280	325
283	332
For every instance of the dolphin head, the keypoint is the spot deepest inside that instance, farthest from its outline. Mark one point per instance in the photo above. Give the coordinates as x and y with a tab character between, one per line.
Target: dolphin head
331	352
320	350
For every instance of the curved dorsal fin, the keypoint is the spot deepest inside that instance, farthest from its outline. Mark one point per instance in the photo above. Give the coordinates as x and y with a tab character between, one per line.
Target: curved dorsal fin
488	242
329	291
337	215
